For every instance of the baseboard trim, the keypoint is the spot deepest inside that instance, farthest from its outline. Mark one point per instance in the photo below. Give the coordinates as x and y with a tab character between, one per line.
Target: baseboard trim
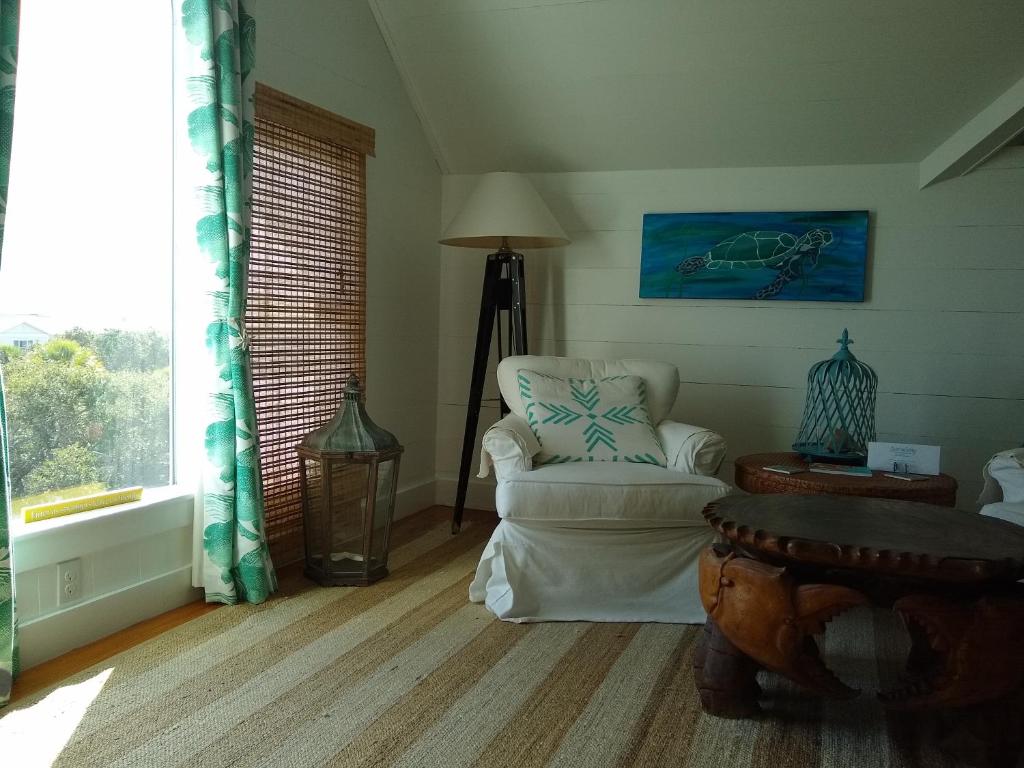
57	633
479	493
54	634
414	498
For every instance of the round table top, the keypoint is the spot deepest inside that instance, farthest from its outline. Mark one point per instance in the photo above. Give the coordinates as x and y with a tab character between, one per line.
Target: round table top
752	477
884	536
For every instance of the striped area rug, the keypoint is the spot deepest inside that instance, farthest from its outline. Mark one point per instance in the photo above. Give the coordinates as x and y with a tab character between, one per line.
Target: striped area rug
408	673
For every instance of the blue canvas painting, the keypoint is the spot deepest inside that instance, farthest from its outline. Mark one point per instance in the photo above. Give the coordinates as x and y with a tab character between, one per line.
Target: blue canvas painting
795	256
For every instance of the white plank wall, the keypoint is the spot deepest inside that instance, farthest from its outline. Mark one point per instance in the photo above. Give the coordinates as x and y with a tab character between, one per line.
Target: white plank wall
331	53
941	324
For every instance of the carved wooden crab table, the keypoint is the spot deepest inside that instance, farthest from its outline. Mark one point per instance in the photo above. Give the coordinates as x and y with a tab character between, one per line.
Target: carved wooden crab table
794	562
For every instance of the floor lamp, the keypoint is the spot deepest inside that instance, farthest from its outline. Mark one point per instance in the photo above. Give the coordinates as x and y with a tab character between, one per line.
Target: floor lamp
504	212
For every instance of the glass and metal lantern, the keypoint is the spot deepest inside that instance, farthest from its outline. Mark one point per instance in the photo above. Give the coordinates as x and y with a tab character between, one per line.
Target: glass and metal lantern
349	473
839	416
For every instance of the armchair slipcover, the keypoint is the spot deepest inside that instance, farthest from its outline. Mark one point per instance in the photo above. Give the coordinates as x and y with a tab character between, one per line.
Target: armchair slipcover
1003	494
597	541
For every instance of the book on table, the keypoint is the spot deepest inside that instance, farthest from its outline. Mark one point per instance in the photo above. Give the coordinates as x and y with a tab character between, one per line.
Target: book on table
909	476
785	469
840	469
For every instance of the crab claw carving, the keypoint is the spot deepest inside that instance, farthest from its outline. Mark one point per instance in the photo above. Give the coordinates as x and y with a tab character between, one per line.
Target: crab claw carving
963	653
770	618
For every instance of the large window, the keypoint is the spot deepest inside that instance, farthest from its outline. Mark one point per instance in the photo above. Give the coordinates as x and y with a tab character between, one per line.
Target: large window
85	284
306	313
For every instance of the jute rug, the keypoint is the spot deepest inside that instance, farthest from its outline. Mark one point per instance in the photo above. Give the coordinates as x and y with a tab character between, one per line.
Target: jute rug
408	673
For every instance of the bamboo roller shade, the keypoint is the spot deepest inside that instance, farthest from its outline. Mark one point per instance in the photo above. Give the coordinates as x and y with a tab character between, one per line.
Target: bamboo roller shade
277	107
306	311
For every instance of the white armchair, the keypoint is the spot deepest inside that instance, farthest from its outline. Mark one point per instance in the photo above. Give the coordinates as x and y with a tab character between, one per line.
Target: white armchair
597	541
1003	494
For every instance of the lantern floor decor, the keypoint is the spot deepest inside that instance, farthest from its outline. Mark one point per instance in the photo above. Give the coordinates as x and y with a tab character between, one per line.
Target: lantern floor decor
348	479
839	415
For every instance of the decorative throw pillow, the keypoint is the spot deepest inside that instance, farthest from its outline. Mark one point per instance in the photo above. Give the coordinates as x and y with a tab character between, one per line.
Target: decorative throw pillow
590	419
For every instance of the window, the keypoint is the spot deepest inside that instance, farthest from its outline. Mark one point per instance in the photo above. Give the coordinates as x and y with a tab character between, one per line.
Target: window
306	314
87	251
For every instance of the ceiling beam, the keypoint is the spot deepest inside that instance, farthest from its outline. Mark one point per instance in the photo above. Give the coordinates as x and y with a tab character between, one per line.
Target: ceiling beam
380	15
980	138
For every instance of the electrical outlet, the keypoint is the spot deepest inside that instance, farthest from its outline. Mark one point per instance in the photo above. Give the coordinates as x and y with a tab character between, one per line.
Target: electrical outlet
69	574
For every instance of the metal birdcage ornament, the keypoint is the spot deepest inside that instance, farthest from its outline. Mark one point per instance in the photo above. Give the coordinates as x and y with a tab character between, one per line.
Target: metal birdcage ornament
839	416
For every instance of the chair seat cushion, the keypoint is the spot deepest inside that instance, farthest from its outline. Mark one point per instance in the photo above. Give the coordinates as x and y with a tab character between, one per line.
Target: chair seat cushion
607	495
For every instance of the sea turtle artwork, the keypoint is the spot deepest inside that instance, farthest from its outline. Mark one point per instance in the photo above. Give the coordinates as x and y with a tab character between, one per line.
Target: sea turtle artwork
790	256
755	256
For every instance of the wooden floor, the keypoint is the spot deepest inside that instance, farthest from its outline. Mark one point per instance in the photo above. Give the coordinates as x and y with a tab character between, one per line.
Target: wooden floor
51	672
55	670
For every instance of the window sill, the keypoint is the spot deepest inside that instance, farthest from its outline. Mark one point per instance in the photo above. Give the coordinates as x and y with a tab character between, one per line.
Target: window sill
63	538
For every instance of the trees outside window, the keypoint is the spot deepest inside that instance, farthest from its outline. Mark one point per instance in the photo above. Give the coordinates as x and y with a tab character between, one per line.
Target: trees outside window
88	411
87	252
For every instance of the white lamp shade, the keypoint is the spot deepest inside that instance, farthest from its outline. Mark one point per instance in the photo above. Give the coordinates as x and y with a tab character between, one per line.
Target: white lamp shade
504	207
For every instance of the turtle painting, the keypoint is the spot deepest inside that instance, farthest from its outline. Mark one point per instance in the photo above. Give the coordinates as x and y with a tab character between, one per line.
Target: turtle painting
755	256
787	254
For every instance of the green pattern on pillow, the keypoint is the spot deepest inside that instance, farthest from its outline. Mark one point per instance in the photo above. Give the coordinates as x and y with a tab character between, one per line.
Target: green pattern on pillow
589	419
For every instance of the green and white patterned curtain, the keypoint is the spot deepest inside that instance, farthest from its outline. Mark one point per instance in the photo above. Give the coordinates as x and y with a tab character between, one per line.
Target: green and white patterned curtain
8	611
214	50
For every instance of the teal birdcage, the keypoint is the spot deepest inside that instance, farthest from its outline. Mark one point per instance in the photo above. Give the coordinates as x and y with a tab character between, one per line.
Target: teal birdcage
839	416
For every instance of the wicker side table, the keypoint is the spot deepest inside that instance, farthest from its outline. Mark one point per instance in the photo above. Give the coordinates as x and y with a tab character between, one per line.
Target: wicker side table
753	478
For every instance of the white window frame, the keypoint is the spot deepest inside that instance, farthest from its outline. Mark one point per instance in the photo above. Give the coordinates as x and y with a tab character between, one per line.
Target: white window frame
161	508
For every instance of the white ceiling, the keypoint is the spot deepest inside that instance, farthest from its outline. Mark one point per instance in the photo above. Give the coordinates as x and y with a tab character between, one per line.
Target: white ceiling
565	85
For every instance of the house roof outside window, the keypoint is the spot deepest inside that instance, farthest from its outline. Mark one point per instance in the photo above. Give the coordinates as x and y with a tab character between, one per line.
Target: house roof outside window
24	330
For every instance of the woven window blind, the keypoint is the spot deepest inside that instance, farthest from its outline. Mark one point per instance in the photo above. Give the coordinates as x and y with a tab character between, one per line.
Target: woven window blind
306	310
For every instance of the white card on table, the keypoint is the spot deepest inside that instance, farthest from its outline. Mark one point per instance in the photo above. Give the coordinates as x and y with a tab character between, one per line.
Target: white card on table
904	457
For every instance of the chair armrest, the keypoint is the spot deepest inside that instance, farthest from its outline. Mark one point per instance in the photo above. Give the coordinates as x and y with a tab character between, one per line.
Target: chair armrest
690	449
509	446
1004	478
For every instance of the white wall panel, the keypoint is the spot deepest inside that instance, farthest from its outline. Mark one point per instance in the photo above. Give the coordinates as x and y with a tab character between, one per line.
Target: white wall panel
941	323
331	53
